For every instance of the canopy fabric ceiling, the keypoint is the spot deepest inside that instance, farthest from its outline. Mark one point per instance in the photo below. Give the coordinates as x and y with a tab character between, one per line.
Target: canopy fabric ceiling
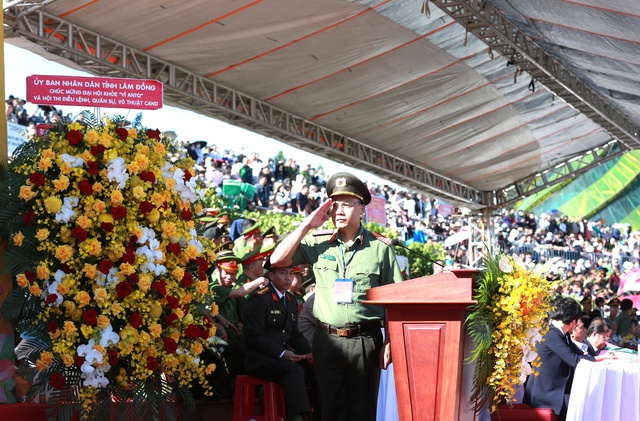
416	86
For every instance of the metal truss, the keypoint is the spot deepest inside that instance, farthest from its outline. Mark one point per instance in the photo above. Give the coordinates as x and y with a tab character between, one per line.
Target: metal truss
500	34
561	172
103	56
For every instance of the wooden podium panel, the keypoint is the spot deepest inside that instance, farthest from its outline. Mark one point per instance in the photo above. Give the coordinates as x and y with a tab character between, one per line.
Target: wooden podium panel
425	319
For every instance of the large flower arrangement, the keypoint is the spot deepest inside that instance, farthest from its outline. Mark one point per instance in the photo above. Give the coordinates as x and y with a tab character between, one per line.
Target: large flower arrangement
510	317
109	270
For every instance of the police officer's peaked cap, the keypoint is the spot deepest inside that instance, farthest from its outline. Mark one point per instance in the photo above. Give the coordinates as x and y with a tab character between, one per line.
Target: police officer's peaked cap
343	183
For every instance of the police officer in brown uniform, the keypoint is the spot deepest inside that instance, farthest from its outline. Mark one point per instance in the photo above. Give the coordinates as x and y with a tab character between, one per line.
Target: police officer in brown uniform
348	348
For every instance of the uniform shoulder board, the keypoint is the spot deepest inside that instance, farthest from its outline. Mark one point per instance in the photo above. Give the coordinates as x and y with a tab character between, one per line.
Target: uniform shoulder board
381	237
317	233
263	290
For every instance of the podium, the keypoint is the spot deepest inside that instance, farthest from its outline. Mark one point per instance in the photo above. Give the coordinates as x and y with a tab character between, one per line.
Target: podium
429	343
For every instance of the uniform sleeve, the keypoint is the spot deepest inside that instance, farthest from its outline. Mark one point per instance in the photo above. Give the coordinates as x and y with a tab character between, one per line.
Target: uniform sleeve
254	316
391	272
306	251
563	350
221	294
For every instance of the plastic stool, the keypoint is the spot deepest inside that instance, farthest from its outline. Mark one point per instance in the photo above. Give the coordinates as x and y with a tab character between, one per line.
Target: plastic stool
245	398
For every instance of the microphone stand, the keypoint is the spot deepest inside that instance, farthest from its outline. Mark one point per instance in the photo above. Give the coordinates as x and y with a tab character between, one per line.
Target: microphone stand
396	243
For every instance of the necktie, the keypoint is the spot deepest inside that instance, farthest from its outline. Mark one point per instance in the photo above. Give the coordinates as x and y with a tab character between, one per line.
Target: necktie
284	301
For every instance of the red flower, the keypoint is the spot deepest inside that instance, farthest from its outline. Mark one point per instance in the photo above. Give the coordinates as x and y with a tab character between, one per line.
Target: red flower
145	207
133	278
170	345
112	354
93	168
37	179
85	187
118	212
148	176
174	248
97	150
105	266
128	257
122	133
136	320
172	302
57	381
66	269
193	331
90	317
52	326
152	364
31	276
205	334
123	289
187	176
186	215
107	226
160	287
27	218
171	318
74	137
78	360
153	134
51	298
79	234
187	280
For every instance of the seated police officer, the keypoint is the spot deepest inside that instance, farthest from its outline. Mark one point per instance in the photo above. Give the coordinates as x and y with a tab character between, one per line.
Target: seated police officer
274	348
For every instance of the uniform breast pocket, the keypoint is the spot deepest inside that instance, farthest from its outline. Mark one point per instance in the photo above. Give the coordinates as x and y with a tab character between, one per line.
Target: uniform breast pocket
276	319
368	276
326	272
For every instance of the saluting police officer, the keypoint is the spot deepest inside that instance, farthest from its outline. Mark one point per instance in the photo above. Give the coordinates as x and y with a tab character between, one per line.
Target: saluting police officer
348	348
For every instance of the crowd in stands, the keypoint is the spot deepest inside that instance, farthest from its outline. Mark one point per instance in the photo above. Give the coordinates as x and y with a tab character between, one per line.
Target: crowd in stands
16	112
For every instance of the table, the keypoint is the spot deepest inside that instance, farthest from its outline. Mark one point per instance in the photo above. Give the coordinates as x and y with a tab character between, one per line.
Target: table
607	390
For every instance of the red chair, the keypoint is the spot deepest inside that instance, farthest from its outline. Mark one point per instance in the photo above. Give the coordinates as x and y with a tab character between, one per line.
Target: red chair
523	412
244	401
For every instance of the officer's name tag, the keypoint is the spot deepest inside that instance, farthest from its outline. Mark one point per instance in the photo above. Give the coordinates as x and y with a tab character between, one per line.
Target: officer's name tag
275	312
343	290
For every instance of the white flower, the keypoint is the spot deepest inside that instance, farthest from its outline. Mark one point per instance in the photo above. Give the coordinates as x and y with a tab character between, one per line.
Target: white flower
66	212
117	171
73	161
108	337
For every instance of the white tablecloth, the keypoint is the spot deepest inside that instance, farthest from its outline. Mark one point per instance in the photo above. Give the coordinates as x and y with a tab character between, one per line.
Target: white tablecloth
608	390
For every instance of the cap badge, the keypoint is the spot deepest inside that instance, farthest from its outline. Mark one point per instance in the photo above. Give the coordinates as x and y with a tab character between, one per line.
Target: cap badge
341	182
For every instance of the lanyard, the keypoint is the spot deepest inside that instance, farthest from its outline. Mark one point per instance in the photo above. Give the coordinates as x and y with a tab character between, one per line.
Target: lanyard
346	263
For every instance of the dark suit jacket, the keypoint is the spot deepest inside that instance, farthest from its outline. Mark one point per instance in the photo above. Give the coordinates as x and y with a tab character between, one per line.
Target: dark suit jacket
551	387
592	351
270	328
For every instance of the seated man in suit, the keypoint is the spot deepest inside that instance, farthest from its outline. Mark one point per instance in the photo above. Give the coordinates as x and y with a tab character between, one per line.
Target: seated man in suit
275	349
558	358
597	337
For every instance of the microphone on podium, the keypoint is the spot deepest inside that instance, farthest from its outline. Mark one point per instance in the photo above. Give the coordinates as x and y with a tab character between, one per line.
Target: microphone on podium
397	243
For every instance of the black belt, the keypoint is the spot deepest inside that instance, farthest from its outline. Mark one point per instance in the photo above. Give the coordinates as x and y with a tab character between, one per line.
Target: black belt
351	330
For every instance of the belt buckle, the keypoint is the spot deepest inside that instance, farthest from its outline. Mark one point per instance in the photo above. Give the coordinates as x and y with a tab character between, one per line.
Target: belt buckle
343	332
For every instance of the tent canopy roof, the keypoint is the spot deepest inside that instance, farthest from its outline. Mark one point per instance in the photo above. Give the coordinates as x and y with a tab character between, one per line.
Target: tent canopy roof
422	99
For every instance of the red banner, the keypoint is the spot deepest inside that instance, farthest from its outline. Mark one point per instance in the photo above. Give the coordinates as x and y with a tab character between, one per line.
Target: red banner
142	94
375	211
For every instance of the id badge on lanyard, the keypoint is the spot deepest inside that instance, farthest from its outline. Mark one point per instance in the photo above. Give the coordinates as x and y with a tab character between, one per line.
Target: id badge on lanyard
343	287
343	291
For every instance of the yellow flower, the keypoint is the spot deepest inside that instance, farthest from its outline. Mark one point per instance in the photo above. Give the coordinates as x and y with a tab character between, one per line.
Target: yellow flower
46	357
202	287
127	269
87	331
97	187
138	192
103	321
52	204
153	216
91	271
156	311
42	272
68	360
171	183
168	229
62	289
100	207
44	164
22	280
133	133
210	369
91	137
100	295
191	251
159	148
42	234
26	193
83	222
178	273
64	253
144	282
62	183
116	309
93	247
82	298
116	198
157	199
155	330
196	348
65	234
142	161
65	168
106	140
18	239
133	168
